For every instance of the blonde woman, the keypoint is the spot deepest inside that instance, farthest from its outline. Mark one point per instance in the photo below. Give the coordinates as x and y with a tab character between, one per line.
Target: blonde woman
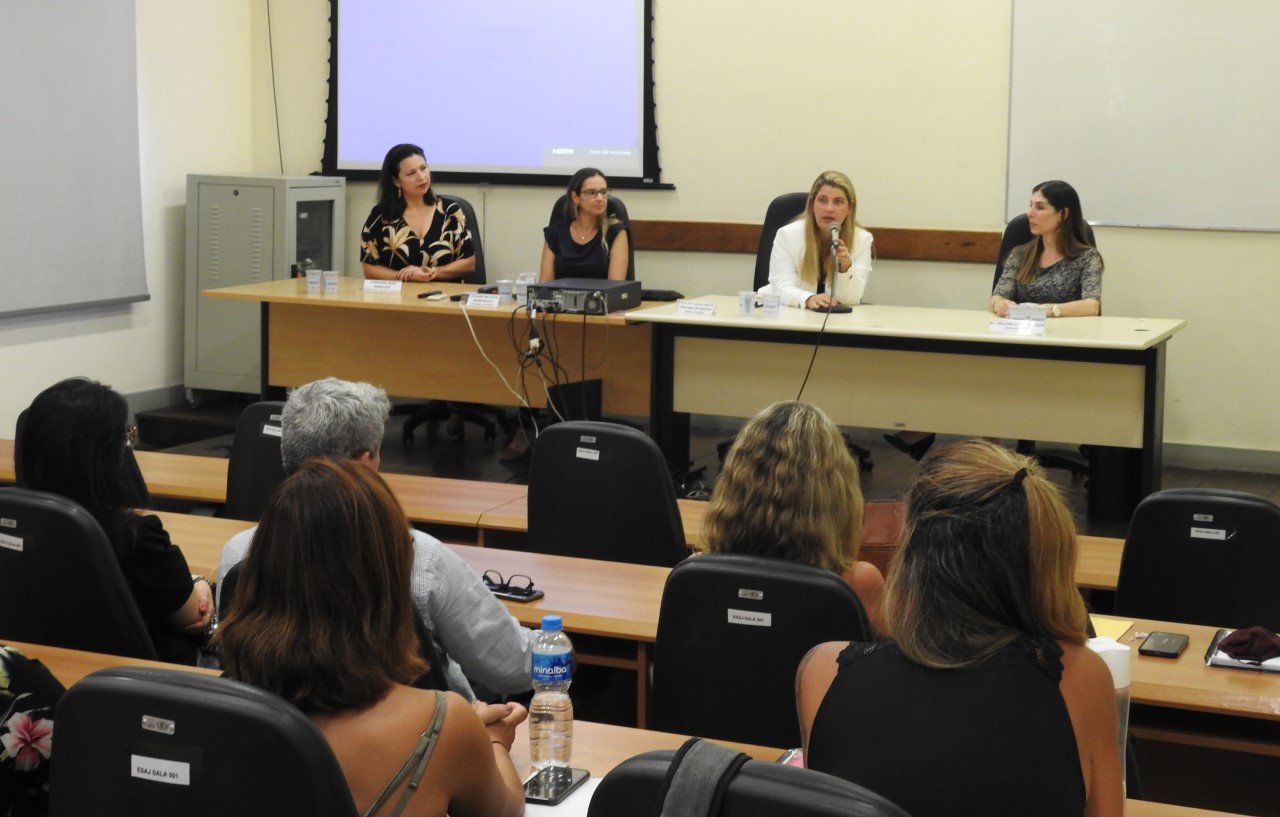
985	681
800	266
789	489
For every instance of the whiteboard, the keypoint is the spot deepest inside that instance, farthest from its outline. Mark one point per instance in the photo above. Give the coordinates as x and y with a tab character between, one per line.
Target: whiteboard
1161	113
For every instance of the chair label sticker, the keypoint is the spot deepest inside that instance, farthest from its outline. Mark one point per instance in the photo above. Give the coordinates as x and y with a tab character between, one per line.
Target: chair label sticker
695	308
269	430
6	522
751	618
10	542
1209	533
160	770
592	454
1201	517
754	595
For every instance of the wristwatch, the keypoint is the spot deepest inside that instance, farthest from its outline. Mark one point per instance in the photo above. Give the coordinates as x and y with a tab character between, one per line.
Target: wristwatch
1056	311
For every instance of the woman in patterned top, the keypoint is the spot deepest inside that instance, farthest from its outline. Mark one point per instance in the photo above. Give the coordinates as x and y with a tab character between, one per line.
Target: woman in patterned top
411	234
28	696
1058	268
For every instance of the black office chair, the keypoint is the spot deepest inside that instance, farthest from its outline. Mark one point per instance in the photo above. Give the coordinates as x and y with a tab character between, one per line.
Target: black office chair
1016	233
602	491
725	784
617	209
782	210
739	625
1202	556
60	582
437	411
255	468
135	740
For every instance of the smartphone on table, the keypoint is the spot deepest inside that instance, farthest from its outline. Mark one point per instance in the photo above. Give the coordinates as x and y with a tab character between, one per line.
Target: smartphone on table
550	786
1164	645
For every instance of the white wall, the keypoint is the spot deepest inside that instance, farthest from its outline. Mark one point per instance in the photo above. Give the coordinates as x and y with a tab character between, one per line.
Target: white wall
909	98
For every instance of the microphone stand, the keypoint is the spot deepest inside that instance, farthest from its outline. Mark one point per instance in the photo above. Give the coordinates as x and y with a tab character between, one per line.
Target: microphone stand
836	308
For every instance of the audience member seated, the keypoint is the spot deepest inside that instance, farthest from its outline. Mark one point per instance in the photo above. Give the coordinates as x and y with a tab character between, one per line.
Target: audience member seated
800	268
323	617
984	700
75	442
588	242
483	643
29	694
789	489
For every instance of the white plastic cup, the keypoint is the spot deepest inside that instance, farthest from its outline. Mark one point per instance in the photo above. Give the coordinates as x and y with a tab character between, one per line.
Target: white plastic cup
504	290
313	281
746	302
772	305
330	281
1116	656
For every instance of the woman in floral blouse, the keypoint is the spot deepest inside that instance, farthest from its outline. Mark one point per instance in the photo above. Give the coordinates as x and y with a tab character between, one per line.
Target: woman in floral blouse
28	696
411	234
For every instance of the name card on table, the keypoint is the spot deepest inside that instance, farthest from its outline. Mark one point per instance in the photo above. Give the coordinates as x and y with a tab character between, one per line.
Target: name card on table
695	308
484	300
1005	326
382	286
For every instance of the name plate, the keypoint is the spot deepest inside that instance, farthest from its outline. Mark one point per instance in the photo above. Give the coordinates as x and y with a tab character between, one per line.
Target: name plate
382	286
695	308
484	300
1005	326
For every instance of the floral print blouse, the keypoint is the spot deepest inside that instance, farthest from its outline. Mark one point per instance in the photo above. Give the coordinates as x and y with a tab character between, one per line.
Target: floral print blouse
28	696
393	243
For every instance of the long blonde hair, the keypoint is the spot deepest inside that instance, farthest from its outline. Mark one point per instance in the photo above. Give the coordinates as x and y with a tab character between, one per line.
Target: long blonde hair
815	261
789	489
989	559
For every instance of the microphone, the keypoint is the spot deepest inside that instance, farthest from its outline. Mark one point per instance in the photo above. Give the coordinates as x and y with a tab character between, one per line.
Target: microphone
835	235
835	308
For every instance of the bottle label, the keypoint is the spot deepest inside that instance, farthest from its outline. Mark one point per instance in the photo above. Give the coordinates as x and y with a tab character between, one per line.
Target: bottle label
552	668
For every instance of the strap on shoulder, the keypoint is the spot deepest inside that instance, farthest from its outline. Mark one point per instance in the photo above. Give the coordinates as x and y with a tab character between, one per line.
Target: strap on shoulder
697	779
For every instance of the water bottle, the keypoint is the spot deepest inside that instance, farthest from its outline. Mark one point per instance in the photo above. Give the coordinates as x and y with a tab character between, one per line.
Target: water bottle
551	711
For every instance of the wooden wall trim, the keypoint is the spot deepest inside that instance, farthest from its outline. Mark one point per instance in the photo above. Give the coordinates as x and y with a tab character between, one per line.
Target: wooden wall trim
899	243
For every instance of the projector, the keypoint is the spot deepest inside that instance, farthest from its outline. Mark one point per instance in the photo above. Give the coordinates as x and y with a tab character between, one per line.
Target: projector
584	296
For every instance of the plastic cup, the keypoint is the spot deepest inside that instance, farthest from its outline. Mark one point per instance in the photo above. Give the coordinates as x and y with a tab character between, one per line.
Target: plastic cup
746	302
330	281
772	305
313	281
505	289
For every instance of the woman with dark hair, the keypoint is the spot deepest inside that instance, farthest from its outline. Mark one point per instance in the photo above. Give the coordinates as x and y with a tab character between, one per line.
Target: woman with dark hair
790	489
411	234
323	617
74	442
800	267
985	682
1058	269
588	242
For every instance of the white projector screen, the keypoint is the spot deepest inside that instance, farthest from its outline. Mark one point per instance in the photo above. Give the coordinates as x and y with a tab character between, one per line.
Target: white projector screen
497	90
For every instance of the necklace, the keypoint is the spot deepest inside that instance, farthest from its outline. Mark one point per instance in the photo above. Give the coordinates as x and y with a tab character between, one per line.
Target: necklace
579	235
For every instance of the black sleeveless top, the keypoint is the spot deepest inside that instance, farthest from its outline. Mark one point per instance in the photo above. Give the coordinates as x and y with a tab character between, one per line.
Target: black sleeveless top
992	739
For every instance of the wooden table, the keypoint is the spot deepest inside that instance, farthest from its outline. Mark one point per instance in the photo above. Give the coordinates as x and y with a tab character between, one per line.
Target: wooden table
513	518
428	349
1093	380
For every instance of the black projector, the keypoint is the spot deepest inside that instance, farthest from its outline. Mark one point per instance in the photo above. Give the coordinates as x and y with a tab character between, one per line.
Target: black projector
584	296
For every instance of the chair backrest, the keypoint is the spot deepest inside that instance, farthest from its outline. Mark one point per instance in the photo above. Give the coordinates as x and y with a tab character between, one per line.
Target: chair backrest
254	469
616	209
476	276
1018	232
731	633
135	740
782	211
1202	556
60	582
635	787
601	490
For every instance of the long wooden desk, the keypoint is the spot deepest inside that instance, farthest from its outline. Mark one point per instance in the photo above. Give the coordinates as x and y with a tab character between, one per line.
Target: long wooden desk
417	348
596	746
1088	380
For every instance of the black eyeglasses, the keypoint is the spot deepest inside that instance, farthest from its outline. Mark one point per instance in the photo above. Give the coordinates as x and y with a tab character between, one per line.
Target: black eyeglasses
518	586
595	193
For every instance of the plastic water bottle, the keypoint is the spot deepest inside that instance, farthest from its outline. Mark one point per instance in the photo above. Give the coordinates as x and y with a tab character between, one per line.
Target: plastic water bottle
551	711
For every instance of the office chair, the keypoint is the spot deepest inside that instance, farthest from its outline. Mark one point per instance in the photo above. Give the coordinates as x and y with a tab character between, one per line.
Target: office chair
728	786
436	411
255	468
60	582
134	740
602	491
740	625
615	208
1202	556
1016	233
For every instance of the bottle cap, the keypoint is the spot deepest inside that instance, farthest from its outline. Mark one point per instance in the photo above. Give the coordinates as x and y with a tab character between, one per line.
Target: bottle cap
552	623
